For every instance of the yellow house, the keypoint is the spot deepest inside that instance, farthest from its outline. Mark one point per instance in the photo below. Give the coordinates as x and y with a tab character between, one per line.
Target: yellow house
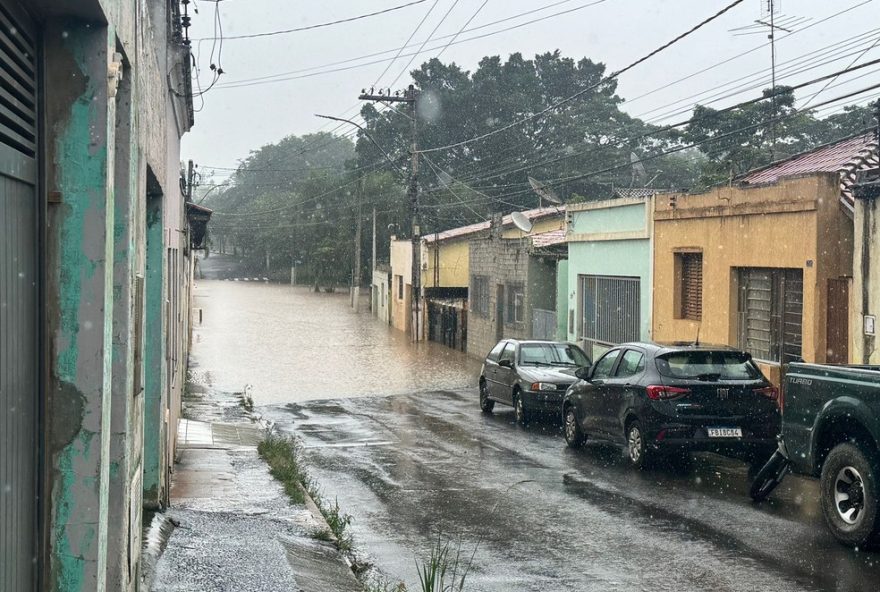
765	265
445	254
446	271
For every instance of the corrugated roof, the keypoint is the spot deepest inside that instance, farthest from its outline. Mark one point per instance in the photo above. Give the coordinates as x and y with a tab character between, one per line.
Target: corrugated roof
846	157
548	239
462	231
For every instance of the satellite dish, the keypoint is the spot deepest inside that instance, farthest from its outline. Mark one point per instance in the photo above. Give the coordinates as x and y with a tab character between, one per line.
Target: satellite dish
544	192
521	221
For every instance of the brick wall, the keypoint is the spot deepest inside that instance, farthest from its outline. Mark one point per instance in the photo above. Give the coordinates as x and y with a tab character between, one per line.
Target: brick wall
502	261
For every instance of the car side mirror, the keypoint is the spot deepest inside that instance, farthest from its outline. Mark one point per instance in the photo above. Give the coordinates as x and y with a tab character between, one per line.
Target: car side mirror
505	363
584	372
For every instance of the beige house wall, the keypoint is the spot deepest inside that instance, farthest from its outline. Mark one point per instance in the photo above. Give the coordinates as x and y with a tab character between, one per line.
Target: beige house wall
797	223
401	269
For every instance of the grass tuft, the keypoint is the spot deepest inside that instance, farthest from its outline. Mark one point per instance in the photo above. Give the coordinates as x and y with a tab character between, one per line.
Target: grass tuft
283	457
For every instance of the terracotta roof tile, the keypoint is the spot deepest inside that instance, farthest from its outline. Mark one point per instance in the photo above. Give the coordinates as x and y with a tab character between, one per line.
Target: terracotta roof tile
846	157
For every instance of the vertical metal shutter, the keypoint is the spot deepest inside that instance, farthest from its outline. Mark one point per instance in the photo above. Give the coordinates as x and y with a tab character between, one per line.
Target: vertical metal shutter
610	309
19	293
692	286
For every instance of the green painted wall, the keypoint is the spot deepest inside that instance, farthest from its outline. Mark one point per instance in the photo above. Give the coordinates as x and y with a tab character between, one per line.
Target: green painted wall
562	299
629	258
81	263
628	218
154	356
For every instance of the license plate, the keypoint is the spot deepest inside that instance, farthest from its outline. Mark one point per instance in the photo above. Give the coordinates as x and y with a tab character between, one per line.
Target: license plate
725	432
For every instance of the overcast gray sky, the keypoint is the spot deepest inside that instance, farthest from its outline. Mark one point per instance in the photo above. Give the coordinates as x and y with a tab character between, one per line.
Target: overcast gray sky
238	116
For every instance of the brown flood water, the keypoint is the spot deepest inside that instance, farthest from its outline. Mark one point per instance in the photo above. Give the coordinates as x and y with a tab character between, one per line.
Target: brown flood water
292	344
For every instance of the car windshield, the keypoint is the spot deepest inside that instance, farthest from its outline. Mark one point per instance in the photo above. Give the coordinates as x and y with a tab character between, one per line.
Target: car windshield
708	365
552	354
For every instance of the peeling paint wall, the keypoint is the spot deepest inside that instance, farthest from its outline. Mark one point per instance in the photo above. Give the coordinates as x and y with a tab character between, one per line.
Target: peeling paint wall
115	249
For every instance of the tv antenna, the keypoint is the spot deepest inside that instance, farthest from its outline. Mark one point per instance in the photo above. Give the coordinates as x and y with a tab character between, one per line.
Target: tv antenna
771	21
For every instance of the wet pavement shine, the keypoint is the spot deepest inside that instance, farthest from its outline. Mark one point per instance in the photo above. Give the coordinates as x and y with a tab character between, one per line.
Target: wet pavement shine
395	434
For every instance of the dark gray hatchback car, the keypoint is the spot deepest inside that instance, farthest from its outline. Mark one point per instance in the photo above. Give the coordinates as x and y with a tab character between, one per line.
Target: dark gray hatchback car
672	398
532	376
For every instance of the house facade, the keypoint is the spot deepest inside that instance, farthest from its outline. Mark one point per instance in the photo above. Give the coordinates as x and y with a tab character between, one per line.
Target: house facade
609	285
513	286
380	296
446	275
765	266
95	274
401	284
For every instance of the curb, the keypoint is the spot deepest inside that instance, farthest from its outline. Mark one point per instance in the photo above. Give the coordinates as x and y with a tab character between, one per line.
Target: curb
319	517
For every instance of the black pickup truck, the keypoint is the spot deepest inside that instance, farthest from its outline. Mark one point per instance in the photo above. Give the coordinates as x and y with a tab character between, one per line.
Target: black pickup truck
831	430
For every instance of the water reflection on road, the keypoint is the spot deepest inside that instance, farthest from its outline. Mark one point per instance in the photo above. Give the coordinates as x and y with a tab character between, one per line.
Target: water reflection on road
292	344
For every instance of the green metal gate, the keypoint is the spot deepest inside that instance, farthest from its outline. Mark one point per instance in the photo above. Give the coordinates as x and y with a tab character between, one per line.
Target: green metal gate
19	294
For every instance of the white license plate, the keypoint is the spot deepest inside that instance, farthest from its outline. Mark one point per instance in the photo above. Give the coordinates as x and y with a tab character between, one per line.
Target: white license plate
725	432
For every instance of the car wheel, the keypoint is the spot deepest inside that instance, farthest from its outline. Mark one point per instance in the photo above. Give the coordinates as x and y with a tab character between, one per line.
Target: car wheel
849	496
486	404
522	416
636	448
574	435
769	476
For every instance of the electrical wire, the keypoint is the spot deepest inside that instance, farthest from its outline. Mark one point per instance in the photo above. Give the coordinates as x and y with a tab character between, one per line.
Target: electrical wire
582	92
320	25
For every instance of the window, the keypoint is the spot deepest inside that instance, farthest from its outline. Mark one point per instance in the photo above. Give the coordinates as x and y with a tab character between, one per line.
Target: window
609	309
398	279
515	302
552	354
770	313
632	363
480	295
717	365
508	353
496	351
605	365
689	273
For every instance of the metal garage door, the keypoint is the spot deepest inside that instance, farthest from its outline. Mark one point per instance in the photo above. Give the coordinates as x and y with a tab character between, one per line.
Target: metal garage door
19	294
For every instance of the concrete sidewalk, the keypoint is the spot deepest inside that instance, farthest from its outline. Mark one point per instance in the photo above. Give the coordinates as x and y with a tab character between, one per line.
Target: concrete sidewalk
237	530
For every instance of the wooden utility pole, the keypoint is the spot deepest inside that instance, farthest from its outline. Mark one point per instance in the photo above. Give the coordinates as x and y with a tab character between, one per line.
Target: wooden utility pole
409	96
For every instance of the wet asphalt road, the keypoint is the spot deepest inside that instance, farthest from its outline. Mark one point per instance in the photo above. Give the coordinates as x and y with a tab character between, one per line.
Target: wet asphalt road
421	459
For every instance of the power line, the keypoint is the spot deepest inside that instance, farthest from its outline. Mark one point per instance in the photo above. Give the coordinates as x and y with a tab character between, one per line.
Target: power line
582	92
318	26
402	47
282	77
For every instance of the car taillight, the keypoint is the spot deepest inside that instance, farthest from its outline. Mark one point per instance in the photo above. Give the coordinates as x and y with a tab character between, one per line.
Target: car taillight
660	393
771	392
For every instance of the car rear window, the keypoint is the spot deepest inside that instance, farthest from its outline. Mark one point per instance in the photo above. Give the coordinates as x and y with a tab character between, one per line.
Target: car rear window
552	354
708	365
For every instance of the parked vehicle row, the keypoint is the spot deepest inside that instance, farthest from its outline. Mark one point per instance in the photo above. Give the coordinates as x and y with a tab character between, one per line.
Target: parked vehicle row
666	400
656	400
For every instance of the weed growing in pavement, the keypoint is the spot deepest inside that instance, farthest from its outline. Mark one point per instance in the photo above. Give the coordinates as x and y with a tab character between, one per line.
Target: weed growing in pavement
283	457
322	534
384	586
444	571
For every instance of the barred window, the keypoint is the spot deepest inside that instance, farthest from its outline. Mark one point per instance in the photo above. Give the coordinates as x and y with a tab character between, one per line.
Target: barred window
479	297
514	309
689	272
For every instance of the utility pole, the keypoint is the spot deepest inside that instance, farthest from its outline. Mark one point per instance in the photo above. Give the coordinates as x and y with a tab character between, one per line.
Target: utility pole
190	172
373	263
409	96
356	275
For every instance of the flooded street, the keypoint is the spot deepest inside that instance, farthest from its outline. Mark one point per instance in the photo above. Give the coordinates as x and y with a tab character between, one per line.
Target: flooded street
291	344
395	434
